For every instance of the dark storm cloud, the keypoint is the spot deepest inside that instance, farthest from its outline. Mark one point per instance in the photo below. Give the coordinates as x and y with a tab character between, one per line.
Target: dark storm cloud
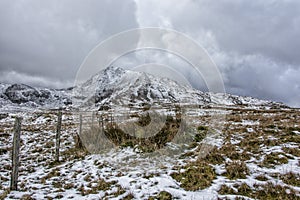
268	27
50	39
255	44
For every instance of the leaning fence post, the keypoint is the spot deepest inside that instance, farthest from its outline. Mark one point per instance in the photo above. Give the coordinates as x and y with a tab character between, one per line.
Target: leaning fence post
15	154
58	130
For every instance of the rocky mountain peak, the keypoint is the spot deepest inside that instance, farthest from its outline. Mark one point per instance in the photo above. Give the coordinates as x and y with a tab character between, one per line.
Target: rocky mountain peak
115	85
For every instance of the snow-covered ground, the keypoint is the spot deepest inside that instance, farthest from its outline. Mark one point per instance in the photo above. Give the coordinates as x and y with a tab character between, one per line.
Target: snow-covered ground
265	141
225	146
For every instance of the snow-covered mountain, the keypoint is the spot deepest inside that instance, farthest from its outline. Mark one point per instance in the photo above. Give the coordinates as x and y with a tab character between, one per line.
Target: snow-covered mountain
24	97
121	87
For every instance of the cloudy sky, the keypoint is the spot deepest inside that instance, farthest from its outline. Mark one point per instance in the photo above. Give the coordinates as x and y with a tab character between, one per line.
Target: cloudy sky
255	44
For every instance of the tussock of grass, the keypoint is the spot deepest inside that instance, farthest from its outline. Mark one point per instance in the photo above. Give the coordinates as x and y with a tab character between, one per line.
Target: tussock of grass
57	184
214	157
225	189
267	191
236	170
244	189
101	185
271	126
271	191
291	138
27	197
4	194
291	179
202	128
144	120
139	134
53	173
139	138
163	195
202	131
273	159
292	151
120	191
68	186
251	144
230	151
3	151
197	175
74	153
128	197
261	178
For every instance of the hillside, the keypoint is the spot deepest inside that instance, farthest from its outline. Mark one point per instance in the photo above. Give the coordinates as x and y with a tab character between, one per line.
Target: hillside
116	86
205	145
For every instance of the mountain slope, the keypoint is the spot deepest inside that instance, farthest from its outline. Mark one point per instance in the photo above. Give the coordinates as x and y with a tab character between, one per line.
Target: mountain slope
21	96
116	86
124	87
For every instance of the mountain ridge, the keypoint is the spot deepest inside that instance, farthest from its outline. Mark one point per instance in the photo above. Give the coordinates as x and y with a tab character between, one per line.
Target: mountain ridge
115	85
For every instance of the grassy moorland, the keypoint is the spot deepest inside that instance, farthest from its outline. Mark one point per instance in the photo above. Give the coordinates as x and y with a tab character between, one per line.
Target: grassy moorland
254	155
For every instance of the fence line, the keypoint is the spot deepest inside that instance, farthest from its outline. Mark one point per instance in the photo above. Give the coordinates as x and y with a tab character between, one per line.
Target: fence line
17	137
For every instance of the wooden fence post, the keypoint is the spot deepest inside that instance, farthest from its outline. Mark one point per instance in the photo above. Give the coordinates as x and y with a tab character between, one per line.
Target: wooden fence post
80	124
93	118
78	142
102	123
58	130
15	154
